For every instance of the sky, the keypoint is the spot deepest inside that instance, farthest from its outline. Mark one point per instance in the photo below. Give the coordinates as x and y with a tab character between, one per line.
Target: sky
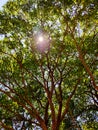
2	2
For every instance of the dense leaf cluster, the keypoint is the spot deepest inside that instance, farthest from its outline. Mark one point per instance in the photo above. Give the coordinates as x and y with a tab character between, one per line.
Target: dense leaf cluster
49	84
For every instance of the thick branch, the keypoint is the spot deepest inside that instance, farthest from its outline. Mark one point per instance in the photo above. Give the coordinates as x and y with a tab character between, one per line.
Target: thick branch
5	126
68	101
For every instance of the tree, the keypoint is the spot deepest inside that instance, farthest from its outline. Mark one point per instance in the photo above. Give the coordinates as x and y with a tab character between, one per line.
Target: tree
48	64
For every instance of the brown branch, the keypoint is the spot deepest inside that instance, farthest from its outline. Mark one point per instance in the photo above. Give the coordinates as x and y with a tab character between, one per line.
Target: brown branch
81	57
46	113
48	92
86	66
5	126
51	93
68	101
50	74
18	116
60	100
80	54
34	113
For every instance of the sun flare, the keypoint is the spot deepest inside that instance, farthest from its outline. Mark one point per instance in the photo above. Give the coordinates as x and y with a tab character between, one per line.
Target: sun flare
40	39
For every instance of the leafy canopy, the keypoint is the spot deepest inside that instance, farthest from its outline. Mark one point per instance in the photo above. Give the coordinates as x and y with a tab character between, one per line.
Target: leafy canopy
48	64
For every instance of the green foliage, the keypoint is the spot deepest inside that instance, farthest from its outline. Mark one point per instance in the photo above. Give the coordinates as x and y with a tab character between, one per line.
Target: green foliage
49	83
90	126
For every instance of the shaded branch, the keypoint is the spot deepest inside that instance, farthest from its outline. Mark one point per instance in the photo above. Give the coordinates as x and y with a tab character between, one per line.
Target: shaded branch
68	101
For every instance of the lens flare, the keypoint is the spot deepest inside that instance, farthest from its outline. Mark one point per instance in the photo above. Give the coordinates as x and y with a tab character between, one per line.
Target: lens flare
40	39
42	43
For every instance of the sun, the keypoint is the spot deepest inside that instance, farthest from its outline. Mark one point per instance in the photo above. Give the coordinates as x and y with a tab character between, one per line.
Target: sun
40	39
42	43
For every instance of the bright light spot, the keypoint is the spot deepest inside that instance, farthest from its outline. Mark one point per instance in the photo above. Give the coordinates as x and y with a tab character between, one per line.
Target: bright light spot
40	39
42	42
